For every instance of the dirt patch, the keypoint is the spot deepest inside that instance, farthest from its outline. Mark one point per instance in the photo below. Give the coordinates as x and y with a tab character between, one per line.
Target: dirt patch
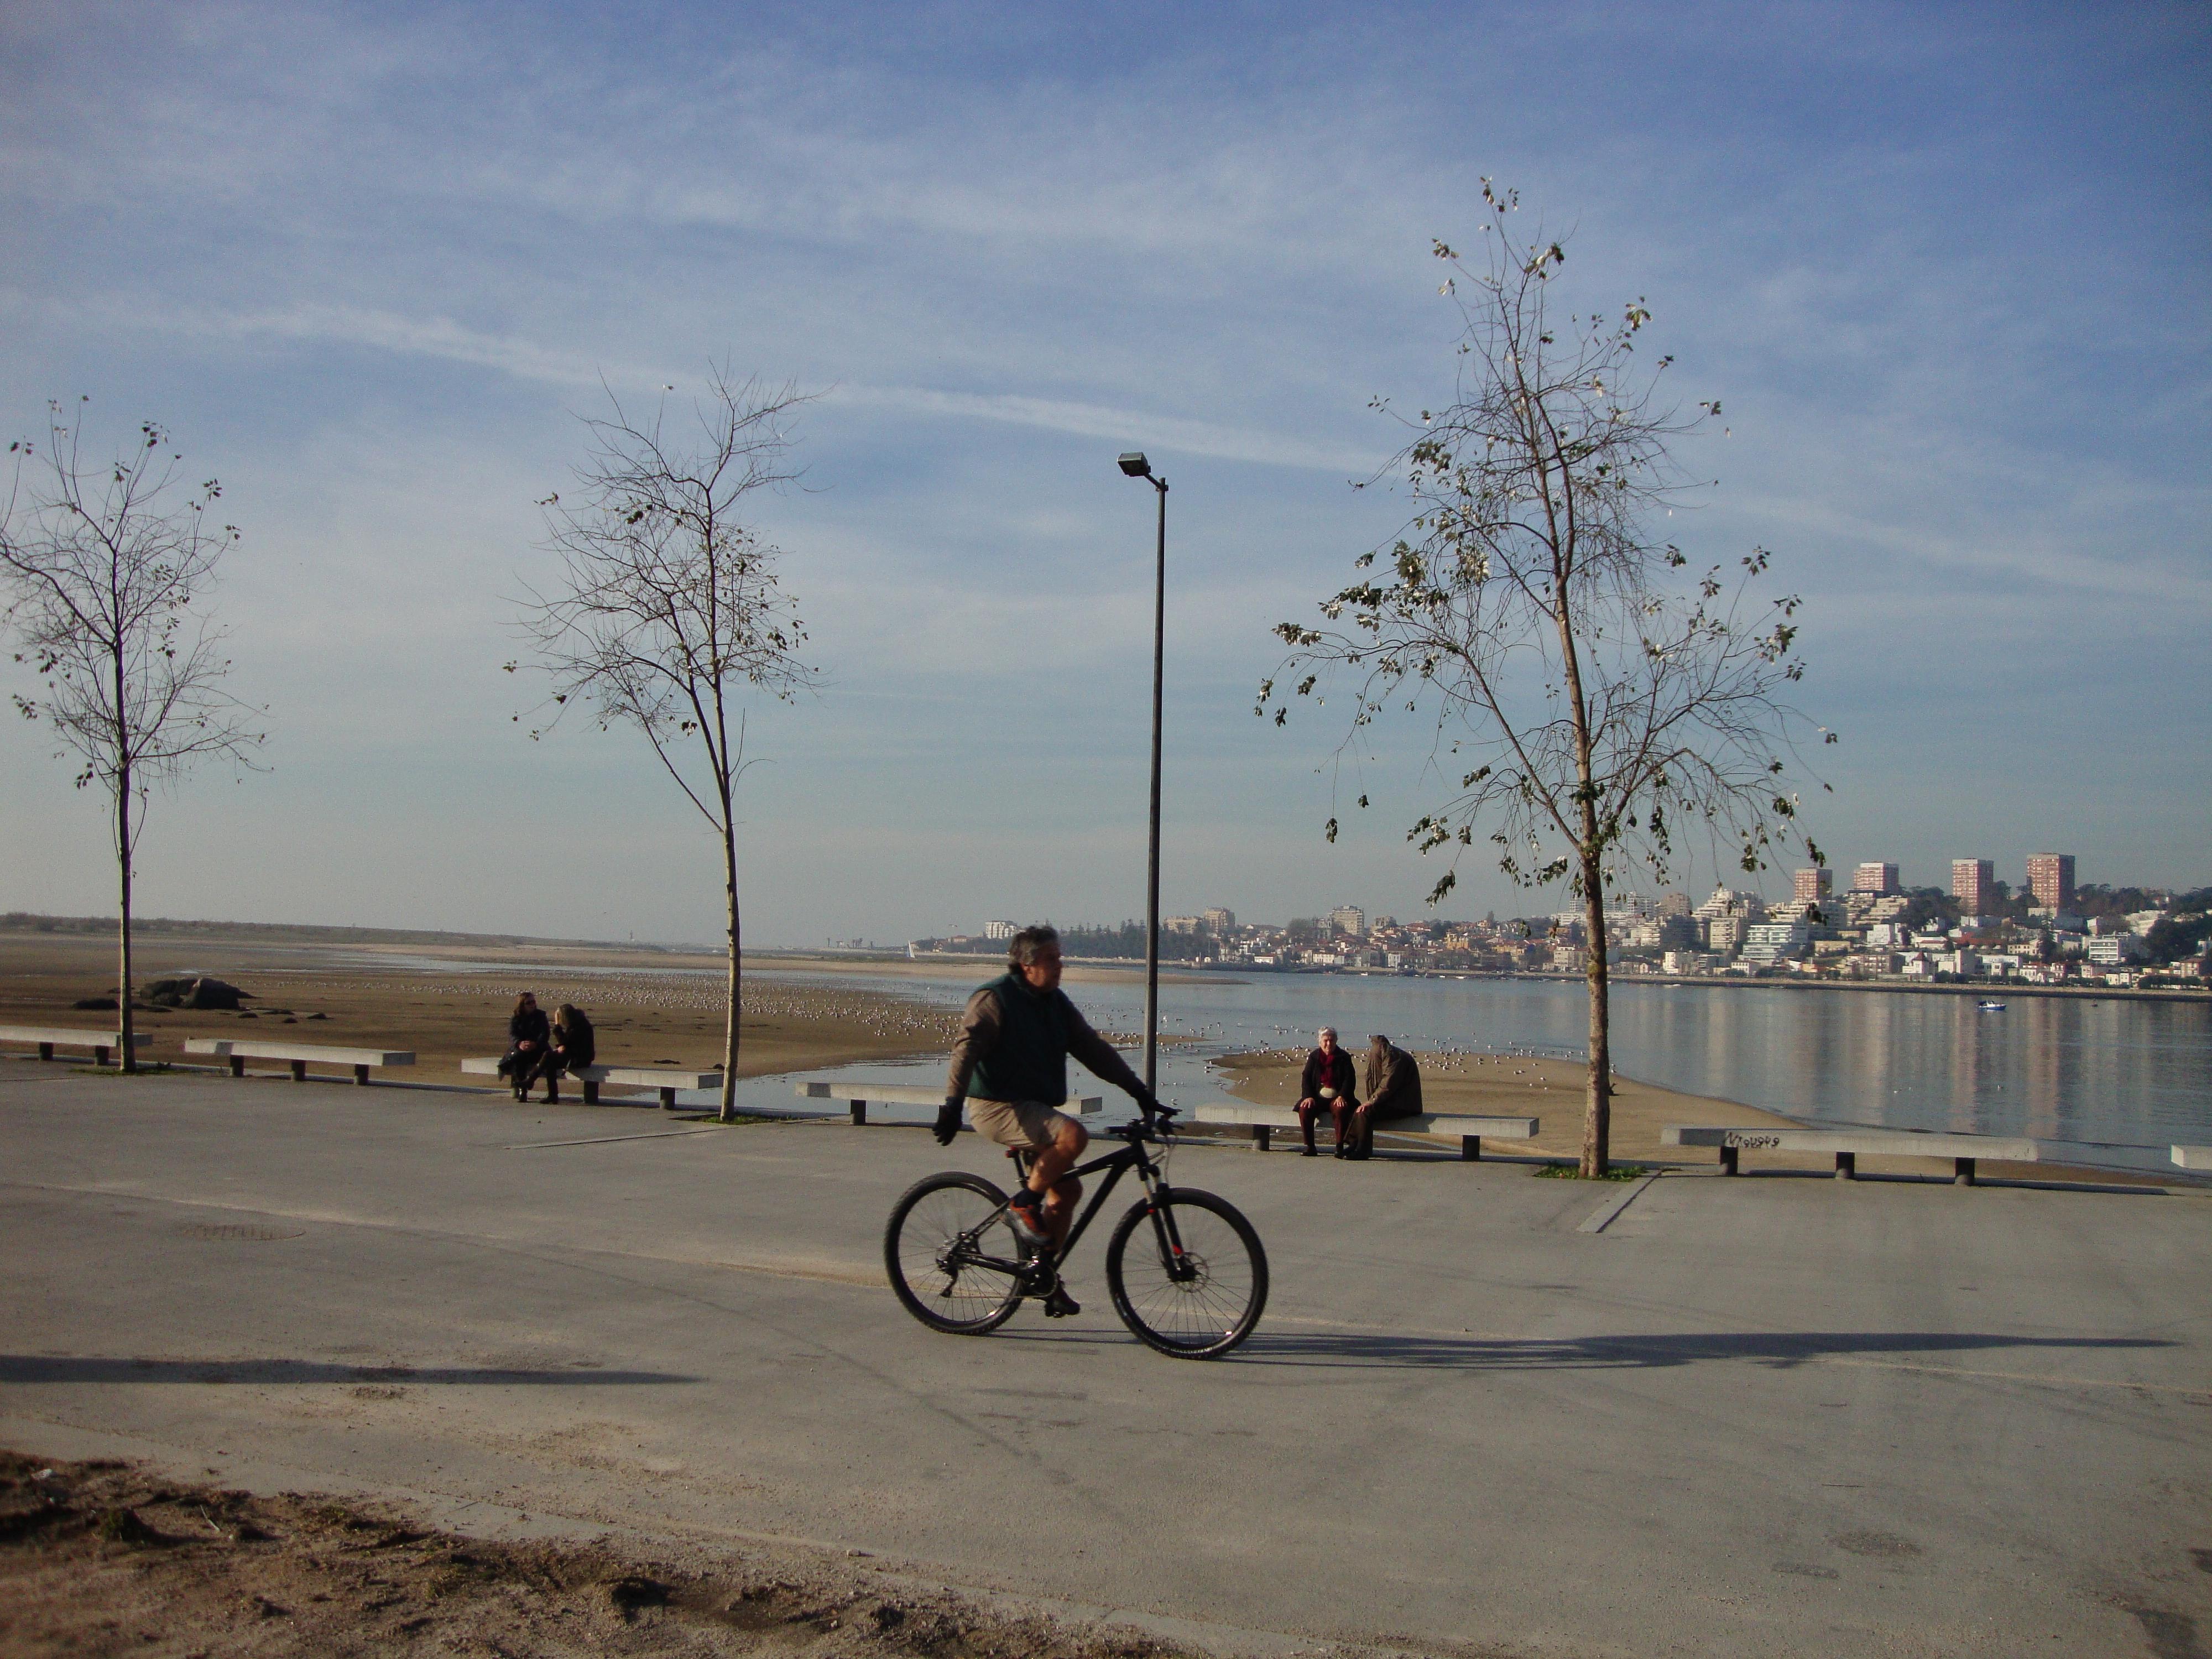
102	1557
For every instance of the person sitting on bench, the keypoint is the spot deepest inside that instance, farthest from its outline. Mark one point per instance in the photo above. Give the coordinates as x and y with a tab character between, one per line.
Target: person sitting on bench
571	1048
1394	1091
527	1035
1328	1086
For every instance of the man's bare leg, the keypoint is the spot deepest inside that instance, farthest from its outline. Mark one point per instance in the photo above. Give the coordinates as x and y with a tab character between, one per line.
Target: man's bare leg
1048	1177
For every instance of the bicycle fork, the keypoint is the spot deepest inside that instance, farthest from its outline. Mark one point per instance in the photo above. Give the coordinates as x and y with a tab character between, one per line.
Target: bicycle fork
1173	1257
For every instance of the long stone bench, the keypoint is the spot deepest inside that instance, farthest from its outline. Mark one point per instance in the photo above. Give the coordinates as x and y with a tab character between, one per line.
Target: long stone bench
2193	1158
855	1096
1471	1131
51	1038
1848	1145
662	1079
300	1055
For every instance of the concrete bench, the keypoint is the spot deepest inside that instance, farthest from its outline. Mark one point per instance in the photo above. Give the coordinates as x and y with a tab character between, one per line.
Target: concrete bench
51	1038
664	1080
2193	1158
1264	1120
1848	1145
856	1096
300	1055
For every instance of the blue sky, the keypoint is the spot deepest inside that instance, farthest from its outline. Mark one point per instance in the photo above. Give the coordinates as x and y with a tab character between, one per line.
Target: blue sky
1946	267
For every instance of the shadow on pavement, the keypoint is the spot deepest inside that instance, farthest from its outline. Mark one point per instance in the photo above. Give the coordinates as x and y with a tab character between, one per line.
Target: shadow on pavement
1775	1349
42	1368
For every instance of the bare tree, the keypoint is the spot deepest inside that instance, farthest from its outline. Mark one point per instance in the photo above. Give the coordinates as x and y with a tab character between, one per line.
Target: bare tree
1590	704
669	607
101	565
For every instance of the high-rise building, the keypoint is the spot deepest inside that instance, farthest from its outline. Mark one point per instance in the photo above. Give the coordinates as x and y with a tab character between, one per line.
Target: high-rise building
1674	904
1812	886
1974	885
2051	879
1878	878
1348	919
1219	920
999	929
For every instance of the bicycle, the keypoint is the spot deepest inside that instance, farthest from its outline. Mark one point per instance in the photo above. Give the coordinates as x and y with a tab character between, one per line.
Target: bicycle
1193	1289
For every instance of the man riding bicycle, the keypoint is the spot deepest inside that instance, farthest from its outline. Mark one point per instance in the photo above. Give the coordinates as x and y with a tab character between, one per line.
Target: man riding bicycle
1013	1051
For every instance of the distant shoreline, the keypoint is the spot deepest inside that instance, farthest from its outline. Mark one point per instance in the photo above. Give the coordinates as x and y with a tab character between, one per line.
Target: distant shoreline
897	963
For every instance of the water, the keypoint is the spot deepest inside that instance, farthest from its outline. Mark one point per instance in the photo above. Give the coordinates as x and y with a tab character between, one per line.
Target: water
2116	1080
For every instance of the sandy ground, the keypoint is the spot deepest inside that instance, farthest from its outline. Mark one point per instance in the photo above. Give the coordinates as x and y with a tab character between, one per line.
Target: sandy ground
102	1558
1553	1091
368	998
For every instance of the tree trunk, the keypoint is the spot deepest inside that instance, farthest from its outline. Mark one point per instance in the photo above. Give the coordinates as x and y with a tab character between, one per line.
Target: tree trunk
126	1055
729	1111
1597	1115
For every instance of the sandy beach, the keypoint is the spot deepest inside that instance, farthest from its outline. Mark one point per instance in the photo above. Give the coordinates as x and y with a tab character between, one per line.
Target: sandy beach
382	997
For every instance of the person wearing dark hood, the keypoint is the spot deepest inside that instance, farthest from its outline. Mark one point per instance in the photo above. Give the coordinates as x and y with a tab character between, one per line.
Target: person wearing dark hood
1394	1091
528	1035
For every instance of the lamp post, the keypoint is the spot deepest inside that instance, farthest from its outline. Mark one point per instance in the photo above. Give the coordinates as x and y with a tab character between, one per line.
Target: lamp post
1137	466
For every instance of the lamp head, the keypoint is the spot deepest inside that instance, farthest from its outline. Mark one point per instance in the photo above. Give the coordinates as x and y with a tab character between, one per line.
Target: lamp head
1136	465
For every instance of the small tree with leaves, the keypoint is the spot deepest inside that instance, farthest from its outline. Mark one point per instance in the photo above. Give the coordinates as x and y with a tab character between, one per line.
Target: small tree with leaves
102	566
1592	702
670	608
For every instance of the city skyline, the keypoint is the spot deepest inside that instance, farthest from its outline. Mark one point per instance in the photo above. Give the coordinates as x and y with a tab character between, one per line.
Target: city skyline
369	266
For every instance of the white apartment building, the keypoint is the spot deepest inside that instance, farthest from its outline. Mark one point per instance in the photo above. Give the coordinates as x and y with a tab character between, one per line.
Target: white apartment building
1348	919
1766	943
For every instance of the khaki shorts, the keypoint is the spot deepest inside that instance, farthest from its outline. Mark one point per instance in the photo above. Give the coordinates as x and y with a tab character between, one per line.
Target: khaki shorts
1028	1123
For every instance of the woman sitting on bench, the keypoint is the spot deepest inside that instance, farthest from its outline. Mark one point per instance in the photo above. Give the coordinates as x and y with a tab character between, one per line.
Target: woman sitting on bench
571	1049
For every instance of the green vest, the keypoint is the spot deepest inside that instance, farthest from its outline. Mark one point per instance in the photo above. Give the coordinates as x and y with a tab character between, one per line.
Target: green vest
1029	1061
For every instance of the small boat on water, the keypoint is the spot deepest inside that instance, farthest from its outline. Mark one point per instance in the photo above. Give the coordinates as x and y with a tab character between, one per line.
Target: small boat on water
1990	1007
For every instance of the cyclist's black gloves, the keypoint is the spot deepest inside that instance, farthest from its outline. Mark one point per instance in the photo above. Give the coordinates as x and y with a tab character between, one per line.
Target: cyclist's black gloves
948	1120
1153	1107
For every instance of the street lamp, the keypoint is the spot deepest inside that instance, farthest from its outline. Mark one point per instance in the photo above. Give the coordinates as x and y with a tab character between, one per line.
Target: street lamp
1137	466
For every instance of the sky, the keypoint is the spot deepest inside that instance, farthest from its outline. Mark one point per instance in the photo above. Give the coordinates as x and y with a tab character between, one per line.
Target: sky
1946	267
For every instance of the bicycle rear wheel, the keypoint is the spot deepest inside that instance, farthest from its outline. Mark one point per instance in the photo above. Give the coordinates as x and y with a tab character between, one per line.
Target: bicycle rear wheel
951	1254
1191	1282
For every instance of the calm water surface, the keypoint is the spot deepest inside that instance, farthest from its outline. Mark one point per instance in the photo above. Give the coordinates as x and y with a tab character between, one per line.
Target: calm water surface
2120	1079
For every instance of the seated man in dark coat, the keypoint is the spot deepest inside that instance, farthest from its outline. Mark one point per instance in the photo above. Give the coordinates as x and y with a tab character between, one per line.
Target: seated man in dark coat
1394	1091
527	1033
1327	1087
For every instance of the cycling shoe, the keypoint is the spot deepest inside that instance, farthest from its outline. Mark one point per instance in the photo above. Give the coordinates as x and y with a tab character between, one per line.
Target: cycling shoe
1060	1304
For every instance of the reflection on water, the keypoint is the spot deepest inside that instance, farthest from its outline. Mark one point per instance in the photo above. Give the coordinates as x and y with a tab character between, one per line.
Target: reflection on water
2107	1075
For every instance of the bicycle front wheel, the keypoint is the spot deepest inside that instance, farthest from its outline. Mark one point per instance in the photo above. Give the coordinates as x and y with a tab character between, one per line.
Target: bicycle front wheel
1189	1278
952	1254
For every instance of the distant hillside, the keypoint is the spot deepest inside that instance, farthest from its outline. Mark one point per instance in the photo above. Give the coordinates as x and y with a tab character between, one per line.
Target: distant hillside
22	921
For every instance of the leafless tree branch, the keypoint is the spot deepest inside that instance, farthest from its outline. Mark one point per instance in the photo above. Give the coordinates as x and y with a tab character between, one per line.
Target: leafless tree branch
668	607
1591	702
100	569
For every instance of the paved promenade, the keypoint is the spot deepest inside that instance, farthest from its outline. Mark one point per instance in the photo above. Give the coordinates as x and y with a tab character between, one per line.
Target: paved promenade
1765	1416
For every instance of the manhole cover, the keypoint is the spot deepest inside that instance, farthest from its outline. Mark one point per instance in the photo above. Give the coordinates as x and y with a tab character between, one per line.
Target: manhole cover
243	1231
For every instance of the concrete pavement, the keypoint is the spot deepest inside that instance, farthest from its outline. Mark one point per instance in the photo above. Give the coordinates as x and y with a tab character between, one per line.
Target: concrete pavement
1761	1416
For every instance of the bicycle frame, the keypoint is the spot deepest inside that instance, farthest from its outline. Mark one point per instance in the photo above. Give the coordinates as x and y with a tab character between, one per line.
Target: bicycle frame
1132	1156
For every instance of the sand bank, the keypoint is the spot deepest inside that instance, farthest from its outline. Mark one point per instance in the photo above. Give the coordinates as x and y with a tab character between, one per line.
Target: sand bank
382	997
1553	1091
